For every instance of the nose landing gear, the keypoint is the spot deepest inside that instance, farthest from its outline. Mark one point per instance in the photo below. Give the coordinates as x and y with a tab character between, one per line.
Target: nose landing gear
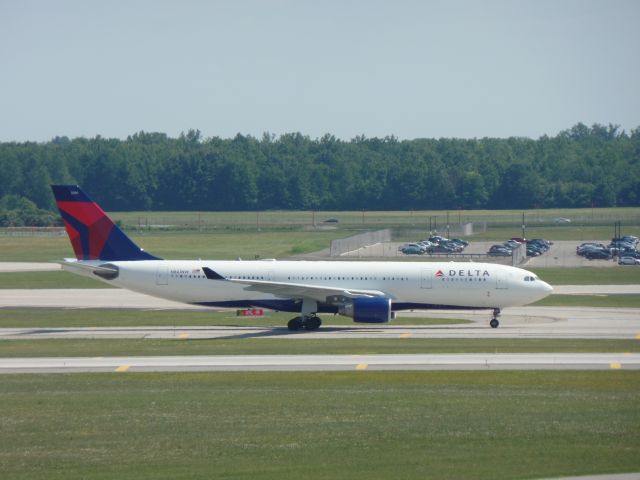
495	323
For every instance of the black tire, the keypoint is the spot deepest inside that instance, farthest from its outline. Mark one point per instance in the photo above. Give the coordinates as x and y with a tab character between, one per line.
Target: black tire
295	324
494	323
313	323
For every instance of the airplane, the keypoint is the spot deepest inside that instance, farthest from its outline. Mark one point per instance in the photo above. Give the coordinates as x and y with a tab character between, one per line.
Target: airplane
366	291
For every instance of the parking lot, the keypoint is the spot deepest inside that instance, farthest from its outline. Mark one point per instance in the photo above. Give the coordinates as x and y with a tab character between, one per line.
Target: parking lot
561	254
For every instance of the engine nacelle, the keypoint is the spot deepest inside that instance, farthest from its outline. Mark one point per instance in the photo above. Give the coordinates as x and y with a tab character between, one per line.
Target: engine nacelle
368	310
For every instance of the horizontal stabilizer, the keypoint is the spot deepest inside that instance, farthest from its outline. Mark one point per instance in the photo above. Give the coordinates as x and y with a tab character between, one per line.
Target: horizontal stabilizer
104	270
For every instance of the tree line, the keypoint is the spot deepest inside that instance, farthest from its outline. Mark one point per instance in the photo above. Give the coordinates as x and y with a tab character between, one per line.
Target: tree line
580	167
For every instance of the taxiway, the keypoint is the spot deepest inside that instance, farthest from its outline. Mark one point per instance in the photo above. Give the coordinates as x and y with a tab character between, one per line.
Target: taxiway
522	361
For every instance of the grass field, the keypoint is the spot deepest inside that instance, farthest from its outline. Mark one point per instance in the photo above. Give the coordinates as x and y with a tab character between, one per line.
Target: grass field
614	301
589	276
229	235
355	425
54	279
374	219
245	345
183	245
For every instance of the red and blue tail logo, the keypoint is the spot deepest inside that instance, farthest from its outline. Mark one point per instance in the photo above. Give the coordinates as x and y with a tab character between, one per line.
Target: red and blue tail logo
92	233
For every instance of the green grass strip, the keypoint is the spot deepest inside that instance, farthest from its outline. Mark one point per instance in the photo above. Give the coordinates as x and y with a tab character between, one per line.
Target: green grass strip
61	317
258	344
320	426
588	275
54	279
610	301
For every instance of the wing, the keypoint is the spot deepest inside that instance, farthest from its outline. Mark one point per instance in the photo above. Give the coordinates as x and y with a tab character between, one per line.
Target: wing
297	290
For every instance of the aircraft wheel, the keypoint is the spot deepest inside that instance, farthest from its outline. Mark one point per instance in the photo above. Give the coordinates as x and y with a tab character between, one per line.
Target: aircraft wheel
295	324
313	323
494	323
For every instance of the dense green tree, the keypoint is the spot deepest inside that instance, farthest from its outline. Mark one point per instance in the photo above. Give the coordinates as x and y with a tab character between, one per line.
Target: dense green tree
580	167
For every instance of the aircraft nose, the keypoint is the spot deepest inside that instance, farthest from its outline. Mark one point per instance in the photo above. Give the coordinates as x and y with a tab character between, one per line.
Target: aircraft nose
548	289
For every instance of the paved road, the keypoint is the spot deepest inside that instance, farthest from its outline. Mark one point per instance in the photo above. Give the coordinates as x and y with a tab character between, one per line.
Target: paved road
521	322
539	361
29	267
517	322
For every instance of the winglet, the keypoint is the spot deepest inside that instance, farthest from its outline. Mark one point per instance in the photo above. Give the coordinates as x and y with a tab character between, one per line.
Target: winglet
211	275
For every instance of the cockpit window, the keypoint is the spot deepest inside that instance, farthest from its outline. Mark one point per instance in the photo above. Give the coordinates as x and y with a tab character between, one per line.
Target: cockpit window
529	279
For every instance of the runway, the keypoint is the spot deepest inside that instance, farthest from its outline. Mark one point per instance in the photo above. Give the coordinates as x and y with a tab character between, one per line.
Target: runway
516	322
255	363
520	322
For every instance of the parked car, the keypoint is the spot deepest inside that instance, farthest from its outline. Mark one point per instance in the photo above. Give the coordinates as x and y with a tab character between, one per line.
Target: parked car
460	241
411	250
622	245
420	247
598	255
583	249
536	248
442	248
437	239
499	251
541	242
628	261
450	244
512	244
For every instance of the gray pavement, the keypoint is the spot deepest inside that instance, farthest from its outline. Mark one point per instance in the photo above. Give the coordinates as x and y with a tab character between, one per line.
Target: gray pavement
540	361
28	267
520	322
516	322
561	254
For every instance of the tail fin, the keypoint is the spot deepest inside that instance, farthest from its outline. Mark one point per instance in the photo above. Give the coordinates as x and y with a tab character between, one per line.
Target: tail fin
92	233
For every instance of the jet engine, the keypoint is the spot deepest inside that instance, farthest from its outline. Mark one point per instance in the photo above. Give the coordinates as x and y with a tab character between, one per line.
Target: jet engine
367	310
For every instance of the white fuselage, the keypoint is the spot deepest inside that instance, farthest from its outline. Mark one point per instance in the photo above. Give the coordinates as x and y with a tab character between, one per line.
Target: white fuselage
407	284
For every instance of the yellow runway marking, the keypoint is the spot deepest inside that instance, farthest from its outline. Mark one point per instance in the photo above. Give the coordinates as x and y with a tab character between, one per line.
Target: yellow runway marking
183	335
616	365
123	368
405	335
362	366
638	336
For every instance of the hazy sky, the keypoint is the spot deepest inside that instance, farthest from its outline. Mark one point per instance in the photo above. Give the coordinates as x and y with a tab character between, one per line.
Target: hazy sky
413	69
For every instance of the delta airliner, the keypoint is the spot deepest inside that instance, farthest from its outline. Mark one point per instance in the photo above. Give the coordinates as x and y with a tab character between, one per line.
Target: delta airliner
366	291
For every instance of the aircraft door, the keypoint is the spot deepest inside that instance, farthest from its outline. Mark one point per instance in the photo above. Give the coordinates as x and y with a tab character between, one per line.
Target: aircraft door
426	279
162	275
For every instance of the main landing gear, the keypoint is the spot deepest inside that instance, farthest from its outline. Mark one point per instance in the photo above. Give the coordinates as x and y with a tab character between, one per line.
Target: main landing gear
308	322
494	321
